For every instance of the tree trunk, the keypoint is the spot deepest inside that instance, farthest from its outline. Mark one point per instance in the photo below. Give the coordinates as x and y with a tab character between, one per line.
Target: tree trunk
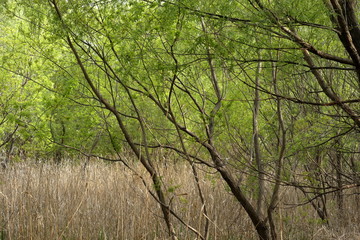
257	152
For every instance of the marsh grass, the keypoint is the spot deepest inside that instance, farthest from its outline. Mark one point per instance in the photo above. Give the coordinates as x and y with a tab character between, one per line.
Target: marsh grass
108	201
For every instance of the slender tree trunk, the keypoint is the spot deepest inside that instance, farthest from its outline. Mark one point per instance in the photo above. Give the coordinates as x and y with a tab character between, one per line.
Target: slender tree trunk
256	138
339	181
259	223
58	156
280	157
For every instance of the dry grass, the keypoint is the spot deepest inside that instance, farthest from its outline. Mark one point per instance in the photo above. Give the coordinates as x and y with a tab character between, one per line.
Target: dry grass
108	201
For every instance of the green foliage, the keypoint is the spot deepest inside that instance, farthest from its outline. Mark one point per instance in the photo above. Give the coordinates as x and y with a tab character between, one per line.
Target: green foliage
3	234
172	189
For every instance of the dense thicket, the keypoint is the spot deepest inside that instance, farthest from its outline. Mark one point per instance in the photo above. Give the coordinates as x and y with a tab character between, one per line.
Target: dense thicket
267	93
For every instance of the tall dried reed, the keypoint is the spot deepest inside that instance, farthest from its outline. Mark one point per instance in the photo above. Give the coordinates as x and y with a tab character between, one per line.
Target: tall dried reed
108	201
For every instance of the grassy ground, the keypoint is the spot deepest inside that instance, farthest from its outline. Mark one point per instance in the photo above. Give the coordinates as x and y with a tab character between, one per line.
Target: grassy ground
108	201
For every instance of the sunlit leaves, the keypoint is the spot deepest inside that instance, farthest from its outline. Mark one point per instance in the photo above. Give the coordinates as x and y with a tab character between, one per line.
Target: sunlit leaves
140	51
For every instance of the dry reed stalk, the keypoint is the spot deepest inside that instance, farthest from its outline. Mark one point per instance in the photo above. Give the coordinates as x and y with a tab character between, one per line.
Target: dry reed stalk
108	201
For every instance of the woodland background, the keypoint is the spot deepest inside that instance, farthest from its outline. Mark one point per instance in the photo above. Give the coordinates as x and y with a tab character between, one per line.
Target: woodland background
179	119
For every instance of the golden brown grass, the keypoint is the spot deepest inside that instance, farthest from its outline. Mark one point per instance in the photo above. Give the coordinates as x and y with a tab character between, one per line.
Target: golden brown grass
108	201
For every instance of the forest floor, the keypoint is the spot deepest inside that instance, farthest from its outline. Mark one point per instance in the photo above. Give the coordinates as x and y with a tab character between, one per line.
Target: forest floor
109	201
